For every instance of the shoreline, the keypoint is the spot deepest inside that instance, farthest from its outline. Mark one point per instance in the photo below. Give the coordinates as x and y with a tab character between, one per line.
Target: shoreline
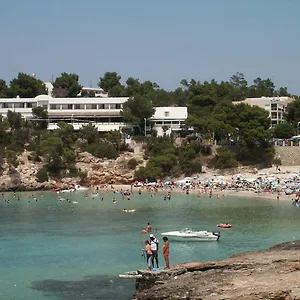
216	194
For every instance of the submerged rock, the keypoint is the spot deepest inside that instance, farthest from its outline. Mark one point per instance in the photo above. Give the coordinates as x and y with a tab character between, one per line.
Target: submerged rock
272	274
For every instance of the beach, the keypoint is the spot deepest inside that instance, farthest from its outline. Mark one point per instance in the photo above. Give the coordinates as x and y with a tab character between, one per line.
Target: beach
281	174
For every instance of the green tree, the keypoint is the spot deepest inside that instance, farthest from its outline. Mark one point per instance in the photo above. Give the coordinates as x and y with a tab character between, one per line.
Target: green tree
26	86
110	83
138	108
283	130
40	116
14	120
67	85
3	89
52	150
66	133
89	133
240	86
293	112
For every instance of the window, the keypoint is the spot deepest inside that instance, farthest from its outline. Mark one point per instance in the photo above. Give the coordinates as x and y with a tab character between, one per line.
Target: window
7	105
274	106
79	106
91	106
54	106
167	113
19	105
158	123
274	115
175	122
101	106
106	106
118	106
45	106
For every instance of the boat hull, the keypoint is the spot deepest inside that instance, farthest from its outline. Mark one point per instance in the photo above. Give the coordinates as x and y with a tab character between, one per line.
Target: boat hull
191	237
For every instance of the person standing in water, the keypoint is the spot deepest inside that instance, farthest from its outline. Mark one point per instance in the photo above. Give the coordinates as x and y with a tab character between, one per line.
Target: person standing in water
166	251
149	254
154	249
149	228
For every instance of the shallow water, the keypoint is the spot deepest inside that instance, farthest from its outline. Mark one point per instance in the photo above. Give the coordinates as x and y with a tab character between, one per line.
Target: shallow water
61	251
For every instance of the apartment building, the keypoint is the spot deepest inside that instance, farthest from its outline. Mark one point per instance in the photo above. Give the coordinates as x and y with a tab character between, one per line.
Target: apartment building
276	106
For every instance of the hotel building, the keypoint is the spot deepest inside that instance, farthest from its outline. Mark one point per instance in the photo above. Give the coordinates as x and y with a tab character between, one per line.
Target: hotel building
276	106
104	113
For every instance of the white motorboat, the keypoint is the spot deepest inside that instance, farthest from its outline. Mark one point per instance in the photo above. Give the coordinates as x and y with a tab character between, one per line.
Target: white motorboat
187	235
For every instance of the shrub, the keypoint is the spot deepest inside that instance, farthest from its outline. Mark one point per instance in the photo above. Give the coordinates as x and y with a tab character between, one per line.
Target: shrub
132	163
42	175
74	172
224	159
11	157
277	161
102	150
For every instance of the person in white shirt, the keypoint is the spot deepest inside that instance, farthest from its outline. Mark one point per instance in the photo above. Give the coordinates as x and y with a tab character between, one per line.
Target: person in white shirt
154	249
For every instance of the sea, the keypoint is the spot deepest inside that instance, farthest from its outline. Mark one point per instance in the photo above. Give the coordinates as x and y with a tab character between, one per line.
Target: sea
55	250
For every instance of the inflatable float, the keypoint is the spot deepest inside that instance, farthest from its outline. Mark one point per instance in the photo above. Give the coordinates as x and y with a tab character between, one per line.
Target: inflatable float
224	225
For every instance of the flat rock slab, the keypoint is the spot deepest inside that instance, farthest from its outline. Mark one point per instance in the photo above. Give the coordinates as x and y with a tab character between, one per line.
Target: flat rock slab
272	274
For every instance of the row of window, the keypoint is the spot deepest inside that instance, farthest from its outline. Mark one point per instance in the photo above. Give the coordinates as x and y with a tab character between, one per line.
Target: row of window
88	119
168	122
17	105
85	106
61	106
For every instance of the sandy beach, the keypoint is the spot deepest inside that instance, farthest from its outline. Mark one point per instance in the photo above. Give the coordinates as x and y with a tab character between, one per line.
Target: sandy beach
283	173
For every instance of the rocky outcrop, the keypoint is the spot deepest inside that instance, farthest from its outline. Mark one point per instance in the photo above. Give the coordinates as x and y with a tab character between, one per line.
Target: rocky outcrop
272	274
99	171
111	171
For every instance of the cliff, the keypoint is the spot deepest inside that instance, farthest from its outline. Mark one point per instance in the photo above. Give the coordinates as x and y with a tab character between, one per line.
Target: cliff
99	171
272	274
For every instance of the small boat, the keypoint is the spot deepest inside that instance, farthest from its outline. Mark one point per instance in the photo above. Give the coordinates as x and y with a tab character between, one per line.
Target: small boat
129	210
187	235
67	191
224	225
133	274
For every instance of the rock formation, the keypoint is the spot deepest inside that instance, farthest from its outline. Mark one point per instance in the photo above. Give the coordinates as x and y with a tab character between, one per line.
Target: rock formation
272	274
99	171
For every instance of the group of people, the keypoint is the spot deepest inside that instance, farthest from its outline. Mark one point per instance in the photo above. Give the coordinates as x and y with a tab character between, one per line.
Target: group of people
151	250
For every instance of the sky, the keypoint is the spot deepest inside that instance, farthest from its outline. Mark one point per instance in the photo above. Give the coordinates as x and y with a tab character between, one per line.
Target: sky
162	41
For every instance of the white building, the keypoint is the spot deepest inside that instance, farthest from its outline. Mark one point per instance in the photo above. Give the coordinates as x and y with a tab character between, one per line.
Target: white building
97	91
276	106
104	113
168	119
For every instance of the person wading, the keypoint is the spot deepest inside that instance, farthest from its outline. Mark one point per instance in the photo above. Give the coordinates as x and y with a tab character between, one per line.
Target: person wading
154	249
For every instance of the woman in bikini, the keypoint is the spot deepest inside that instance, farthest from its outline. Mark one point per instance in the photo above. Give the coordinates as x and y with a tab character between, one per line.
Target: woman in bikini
166	251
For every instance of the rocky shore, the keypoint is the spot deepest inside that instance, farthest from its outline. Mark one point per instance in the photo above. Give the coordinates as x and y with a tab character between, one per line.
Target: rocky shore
99	171
272	274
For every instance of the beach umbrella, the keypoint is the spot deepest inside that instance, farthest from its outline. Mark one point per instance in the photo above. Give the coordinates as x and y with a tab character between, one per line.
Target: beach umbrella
288	191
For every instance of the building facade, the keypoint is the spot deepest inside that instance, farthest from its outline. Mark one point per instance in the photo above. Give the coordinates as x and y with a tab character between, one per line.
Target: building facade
276	106
167	120
104	113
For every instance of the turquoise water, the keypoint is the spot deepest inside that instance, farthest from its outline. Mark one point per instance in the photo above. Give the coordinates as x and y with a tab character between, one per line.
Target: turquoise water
61	251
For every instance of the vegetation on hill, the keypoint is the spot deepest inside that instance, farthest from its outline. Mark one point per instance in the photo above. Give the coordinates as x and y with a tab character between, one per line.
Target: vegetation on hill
242	130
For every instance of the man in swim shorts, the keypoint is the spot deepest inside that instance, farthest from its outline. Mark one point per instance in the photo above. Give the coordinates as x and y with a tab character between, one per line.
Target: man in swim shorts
154	249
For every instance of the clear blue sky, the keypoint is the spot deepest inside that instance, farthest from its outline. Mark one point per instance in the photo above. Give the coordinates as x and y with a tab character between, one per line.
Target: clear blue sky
160	40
